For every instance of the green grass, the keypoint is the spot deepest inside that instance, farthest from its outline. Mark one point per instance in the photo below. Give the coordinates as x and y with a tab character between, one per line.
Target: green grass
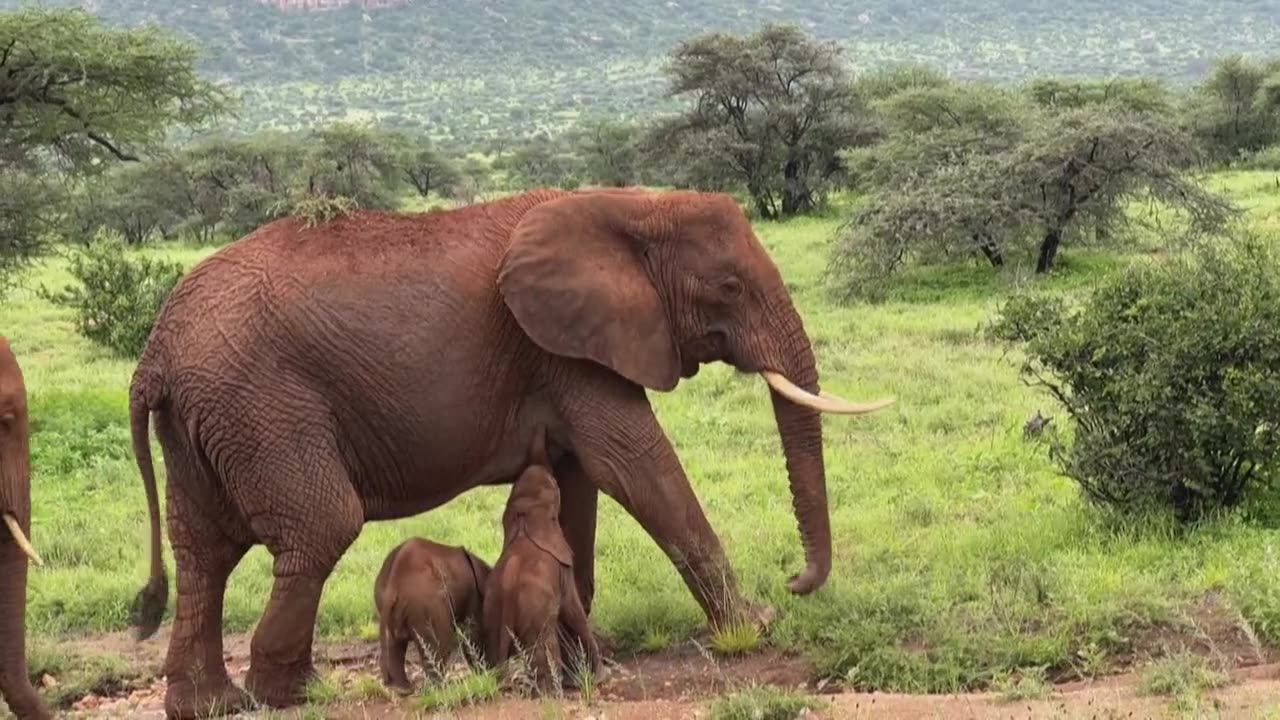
761	703
1028	684
960	554
738	638
470	689
77	675
1180	674
1184	678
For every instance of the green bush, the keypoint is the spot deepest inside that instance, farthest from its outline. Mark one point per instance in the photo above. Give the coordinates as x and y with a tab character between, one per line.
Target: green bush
1264	159
118	296
1170	372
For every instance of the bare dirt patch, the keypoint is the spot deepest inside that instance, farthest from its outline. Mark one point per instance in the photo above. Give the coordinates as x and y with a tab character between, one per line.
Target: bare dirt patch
682	682
1210	628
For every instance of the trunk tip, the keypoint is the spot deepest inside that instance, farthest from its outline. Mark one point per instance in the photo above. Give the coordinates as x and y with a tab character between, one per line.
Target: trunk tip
811	579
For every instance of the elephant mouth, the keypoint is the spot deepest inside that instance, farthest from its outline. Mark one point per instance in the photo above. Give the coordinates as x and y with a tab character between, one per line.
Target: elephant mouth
689	367
703	350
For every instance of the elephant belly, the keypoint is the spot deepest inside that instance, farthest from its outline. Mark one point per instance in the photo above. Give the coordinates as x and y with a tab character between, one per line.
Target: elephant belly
431	444
428	474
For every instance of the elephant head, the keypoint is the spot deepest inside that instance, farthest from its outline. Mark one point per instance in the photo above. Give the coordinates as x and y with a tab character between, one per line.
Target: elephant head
652	285
15	549
533	508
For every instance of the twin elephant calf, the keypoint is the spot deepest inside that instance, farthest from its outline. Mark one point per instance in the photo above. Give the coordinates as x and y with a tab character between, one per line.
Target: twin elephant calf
426	592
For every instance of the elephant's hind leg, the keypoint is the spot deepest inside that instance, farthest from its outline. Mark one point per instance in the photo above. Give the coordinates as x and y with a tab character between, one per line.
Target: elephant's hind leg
205	556
307	513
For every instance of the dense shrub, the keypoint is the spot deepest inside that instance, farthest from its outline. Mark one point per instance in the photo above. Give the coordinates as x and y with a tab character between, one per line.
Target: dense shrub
118	296
1171	373
1264	159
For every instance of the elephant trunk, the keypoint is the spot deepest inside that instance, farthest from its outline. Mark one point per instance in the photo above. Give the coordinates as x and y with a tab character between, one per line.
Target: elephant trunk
797	404
15	499
800	429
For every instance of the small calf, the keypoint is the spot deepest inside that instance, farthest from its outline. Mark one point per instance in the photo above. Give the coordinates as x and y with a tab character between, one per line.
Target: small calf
531	590
425	591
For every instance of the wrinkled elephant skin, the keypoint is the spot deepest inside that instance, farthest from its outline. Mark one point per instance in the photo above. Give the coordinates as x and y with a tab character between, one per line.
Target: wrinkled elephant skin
15	547
531	592
306	380
424	593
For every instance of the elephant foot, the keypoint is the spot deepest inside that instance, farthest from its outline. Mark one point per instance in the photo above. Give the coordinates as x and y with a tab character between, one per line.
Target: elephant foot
185	700
757	615
279	686
398	686
604	645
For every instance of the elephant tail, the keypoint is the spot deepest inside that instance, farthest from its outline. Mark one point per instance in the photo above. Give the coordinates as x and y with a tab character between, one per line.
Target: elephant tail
148	607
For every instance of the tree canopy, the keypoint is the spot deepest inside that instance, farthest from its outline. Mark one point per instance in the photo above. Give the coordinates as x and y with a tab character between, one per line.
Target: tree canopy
90	94
976	170
770	110
76	96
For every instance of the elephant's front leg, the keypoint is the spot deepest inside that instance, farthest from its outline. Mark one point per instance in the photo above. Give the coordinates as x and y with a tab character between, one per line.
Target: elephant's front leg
628	455
579	499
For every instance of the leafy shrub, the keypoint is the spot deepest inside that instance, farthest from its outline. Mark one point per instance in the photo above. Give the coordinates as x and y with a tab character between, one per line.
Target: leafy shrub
119	295
1264	159
1171	374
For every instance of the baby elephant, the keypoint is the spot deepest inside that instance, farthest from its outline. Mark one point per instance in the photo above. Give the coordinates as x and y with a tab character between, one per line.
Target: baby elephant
531	591
423	592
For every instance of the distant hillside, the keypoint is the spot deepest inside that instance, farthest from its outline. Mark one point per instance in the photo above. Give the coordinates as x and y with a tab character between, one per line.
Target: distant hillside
478	67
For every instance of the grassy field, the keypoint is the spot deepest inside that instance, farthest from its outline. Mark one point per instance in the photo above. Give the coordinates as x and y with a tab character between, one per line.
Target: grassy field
960	555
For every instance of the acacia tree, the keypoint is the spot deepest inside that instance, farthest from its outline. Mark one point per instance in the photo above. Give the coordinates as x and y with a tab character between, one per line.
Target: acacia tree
931	171
771	110
1144	95
232	183
1066	172
424	166
610	153
352	161
135	200
76	96
1080	168
922	127
1237	108
541	162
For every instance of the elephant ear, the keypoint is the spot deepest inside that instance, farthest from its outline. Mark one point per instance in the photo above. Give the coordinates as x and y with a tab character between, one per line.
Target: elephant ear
549	539
574	277
479	574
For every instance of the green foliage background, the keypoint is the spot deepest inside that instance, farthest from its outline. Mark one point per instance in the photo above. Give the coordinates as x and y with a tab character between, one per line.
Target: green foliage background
466	70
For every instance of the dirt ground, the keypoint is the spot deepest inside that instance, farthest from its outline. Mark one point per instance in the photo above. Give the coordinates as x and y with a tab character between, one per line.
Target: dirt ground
682	683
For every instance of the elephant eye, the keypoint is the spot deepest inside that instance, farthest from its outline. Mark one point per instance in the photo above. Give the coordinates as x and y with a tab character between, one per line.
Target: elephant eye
731	288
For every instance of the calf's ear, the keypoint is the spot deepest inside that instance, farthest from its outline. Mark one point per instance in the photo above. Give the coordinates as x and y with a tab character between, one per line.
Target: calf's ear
549	539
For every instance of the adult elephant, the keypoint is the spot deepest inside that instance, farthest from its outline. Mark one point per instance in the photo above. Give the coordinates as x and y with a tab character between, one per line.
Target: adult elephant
15	548
307	380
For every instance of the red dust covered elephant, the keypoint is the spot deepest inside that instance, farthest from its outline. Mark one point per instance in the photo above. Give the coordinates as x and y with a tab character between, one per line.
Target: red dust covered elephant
15	548
306	380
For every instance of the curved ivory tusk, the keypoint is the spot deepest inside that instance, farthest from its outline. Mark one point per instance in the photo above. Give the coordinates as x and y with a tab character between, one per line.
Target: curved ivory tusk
824	402
21	539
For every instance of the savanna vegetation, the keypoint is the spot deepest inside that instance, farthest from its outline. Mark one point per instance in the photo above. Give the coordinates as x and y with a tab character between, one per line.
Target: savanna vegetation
475	71
1098	252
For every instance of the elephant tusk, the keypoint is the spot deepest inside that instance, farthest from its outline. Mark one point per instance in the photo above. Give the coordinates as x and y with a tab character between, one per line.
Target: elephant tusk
824	402
21	539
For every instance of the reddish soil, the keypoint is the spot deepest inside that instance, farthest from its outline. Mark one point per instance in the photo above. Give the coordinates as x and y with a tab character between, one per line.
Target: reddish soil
682	682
